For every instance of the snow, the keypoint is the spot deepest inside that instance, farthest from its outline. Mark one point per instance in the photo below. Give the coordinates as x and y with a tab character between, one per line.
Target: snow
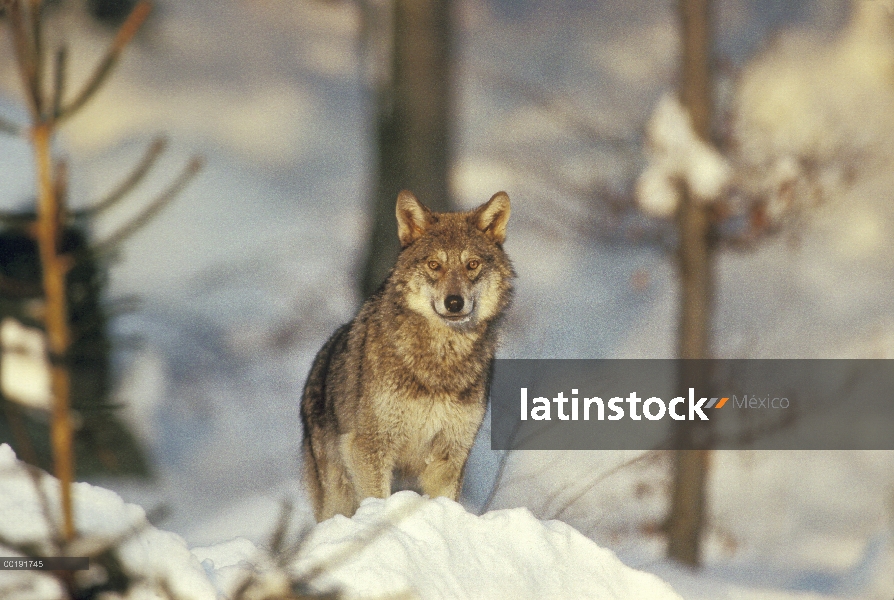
102	516
406	544
24	371
437	549
677	155
810	103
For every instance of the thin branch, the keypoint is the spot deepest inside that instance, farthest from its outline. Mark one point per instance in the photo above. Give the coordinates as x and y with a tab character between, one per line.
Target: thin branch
9	127
125	34
278	537
568	115
152	153
14	288
19	431
122	305
37	49
153	209
59	72
54	268
600	478
37	478
501	471
25	57
16	219
60	188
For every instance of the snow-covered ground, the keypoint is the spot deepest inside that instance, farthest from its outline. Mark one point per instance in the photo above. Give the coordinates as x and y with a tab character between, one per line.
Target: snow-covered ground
405	546
245	275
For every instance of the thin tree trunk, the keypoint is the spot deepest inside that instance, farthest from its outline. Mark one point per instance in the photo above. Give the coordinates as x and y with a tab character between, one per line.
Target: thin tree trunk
695	262
55	268
412	130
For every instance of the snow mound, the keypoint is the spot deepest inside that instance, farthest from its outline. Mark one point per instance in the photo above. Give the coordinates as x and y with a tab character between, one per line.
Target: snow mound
101	517
403	545
435	549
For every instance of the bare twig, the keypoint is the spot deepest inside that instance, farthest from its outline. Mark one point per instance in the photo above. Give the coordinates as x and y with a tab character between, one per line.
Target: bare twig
599	479
19	432
26	58
284	554
278	537
153	209
37	50
60	188
146	163
125	34
59	72
563	112
36	475
9	127
501	471
15	288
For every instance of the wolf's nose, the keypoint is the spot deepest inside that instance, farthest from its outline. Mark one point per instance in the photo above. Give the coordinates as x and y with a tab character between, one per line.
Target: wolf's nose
453	303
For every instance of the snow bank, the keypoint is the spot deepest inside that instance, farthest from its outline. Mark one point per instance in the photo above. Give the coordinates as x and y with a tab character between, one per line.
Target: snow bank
405	544
102	517
437	549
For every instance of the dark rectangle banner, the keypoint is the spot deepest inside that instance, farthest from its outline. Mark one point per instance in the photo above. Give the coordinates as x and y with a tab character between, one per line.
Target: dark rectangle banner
645	404
44	563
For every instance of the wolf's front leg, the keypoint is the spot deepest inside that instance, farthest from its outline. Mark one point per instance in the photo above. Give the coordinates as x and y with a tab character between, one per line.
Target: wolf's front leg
369	465
444	476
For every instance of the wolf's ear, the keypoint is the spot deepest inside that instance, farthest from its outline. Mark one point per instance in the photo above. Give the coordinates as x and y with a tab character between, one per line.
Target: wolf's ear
491	218
412	218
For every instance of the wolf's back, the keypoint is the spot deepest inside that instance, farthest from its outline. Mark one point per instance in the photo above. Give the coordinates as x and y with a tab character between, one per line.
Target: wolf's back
316	413
314	409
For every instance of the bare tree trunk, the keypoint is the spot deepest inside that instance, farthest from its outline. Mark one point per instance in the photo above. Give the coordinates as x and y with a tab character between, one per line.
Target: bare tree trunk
695	261
413	116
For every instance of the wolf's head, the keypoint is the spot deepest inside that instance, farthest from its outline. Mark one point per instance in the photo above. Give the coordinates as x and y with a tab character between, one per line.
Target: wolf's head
452	269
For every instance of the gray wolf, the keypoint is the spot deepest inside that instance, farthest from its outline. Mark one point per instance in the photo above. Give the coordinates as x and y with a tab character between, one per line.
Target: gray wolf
404	386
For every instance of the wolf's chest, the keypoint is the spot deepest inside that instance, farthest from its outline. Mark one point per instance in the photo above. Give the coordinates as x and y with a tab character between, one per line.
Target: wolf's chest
427	428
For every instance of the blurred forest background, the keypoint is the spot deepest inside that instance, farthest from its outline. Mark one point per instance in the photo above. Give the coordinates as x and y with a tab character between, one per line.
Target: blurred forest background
694	178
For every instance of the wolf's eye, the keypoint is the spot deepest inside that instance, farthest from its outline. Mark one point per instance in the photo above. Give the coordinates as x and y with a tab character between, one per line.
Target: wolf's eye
434	265
473	264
